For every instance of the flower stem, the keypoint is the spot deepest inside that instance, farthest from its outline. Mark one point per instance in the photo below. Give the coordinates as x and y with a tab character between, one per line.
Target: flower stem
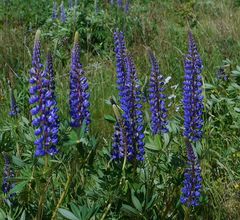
54	215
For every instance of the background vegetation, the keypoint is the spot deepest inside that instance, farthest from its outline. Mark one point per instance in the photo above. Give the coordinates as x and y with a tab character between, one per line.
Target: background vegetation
98	189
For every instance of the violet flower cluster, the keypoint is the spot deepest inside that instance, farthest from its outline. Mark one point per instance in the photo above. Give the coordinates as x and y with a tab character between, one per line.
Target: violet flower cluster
54	10
14	110
8	173
44	110
121	4
157	98
131	127
63	16
192	93
70	3
191	190
193	122
79	95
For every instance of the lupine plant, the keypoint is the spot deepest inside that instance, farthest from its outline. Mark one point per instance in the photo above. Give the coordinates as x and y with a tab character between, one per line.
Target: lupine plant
193	122
192	93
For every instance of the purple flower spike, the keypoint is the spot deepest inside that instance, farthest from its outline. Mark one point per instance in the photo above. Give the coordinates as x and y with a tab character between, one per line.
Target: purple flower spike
127	5
120	3
131	126
63	14
79	95
14	110
191	190
192	93
70	3
112	2
157	98
54	10
44	103
8	173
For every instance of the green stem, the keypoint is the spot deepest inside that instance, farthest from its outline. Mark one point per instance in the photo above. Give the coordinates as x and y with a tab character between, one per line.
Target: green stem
106	211
42	196
54	215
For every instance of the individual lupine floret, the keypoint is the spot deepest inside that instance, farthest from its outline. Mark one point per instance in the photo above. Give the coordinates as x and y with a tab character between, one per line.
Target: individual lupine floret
79	95
44	108
157	98
192	93
14	110
8	173
191	190
63	16
54	10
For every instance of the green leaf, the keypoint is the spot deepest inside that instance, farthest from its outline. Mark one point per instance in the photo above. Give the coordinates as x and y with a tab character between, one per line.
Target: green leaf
2	214
19	187
67	214
208	86
18	161
109	118
23	216
153	147
166	139
136	202
25	120
130	210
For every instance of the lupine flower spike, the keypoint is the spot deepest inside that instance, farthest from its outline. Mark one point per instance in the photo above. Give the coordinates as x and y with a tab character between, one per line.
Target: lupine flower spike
44	110
191	190
120	3
79	95
14	110
157	98
8	173
192	93
130	97
221	74
112	2
119	137
133	115
193	122
54	10
63	16
70	3
127	5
